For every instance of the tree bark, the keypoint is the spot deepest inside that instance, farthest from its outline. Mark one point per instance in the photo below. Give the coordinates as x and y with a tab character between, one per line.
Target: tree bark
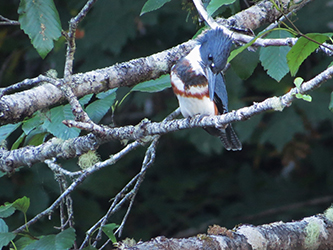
17	106
315	232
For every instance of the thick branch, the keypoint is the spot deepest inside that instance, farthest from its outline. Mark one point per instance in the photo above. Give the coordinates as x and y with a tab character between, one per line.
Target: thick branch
9	160
315	232
16	107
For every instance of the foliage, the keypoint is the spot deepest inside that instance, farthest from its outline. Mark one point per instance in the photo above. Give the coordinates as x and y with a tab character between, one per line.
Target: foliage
40	21
303	48
151	5
63	240
286	157
273	59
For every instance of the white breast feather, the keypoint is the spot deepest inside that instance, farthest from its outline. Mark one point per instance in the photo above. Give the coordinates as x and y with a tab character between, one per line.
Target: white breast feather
190	106
193	106
194	58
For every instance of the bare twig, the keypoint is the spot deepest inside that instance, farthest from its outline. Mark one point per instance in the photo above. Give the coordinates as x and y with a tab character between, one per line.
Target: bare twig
7	21
78	181
61	179
57	169
79	113
122	196
148	160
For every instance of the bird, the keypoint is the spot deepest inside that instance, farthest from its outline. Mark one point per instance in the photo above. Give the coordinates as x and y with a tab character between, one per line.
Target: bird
199	84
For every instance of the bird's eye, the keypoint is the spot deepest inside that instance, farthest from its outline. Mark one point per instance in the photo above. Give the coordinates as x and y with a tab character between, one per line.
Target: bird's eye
210	57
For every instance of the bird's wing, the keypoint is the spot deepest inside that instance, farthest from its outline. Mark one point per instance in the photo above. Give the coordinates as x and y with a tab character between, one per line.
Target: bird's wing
220	94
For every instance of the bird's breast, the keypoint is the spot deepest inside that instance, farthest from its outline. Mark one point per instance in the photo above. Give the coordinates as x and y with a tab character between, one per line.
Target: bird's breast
193	98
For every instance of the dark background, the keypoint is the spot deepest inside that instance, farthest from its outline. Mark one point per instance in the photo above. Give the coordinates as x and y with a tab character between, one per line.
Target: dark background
285	167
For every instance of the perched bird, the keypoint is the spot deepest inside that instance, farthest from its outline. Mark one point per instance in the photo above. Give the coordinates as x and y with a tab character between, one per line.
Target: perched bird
199	85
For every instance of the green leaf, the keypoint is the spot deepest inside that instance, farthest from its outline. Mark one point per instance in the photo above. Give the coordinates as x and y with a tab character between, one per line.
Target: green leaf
99	108
6	130
22	204
237	51
3	226
302	49
34	130
245	63
36	137
84	100
156	85
54	125
5	237
18	141
52	121
6	211
331	64
214	5
61	241
65	239
22	242
105	94
151	5
307	98
108	230
39	19
273	58
298	82
32	123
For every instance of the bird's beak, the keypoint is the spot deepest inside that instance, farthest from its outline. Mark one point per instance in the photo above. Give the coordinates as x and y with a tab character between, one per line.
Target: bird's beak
211	82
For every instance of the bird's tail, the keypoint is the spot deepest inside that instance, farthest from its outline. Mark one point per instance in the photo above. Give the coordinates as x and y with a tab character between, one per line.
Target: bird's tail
227	136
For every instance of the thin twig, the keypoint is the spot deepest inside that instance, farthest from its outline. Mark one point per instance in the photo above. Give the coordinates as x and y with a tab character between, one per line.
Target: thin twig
79	113
120	198
78	181
61	179
57	169
7	21
147	162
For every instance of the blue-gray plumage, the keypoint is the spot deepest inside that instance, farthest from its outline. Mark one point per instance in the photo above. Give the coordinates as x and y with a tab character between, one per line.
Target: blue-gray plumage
214	51
199	84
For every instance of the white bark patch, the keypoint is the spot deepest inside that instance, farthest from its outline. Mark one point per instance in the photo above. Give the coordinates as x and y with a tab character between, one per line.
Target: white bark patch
254	237
220	240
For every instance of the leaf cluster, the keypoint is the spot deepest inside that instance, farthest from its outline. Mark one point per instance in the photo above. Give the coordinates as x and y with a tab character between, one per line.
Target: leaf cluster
286	156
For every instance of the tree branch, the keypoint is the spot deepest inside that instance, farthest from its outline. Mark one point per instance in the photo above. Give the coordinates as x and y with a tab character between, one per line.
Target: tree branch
9	160
112	160
16	107
315	232
6	21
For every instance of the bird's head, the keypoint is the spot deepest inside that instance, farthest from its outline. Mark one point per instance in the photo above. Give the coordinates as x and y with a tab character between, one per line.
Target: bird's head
214	52
215	49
